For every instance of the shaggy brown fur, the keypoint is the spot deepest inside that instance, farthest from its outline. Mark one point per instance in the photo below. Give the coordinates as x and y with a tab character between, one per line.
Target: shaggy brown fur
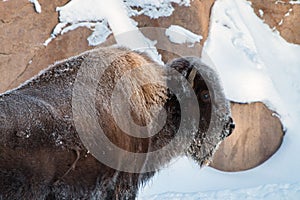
39	143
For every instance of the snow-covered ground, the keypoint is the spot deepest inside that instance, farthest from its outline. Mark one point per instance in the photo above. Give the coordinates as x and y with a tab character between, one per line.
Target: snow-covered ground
264	192
255	64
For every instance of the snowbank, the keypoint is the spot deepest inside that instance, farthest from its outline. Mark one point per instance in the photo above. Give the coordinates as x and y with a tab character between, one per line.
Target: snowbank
265	192
180	35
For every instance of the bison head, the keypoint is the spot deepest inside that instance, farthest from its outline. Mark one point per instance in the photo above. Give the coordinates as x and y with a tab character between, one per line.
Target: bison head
215	122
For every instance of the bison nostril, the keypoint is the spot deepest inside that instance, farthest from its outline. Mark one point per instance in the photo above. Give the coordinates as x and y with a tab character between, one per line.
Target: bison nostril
229	127
232	126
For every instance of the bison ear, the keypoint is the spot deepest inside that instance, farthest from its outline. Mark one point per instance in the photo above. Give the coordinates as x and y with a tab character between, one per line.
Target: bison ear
182	65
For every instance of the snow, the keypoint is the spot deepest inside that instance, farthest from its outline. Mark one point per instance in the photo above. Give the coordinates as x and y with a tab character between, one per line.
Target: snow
37	6
255	64
288	13
261	12
153	8
265	192
180	35
100	33
295	2
279	1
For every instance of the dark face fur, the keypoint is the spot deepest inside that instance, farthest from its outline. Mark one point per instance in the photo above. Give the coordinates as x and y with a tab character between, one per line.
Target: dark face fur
206	140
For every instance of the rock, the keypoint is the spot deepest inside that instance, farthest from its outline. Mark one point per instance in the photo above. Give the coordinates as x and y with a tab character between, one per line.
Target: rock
275	11
22	34
257	136
194	18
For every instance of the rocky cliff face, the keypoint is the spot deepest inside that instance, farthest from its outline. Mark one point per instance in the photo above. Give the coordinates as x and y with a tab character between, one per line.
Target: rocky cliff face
23	55
281	16
22	34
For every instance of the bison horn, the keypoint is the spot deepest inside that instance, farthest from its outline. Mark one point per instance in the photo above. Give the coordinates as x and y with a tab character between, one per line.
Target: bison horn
192	76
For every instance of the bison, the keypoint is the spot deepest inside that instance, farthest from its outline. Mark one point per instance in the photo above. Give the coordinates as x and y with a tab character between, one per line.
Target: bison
43	155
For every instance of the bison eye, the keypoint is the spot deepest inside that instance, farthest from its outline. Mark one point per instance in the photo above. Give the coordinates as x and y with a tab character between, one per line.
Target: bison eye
205	95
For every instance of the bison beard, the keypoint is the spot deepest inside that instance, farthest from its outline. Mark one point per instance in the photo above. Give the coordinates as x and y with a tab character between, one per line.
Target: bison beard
42	156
